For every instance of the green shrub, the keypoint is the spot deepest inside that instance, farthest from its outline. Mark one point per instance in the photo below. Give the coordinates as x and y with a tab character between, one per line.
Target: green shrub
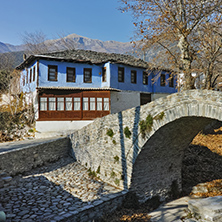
98	169
116	159
146	125
110	133
114	142
159	116
91	173
127	132
117	181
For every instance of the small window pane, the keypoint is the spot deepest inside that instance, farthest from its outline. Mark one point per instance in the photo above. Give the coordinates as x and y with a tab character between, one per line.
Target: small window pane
120	74
99	104
92	104
145	78
87	75
52	103
162	80
106	104
30	77
85	103
60	104
70	75
52	73
133	76
77	104
68	103
104	74
43	103
171	80
33	73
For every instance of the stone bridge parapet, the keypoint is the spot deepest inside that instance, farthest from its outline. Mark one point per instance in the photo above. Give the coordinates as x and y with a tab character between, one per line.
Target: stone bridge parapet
150	164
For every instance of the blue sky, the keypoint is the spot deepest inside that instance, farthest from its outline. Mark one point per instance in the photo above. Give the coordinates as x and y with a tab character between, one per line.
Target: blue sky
97	19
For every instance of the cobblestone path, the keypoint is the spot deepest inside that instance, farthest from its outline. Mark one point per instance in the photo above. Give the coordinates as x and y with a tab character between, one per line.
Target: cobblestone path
52	193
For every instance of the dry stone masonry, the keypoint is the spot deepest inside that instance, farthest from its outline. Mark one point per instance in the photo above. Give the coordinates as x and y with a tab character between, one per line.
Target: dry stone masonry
150	162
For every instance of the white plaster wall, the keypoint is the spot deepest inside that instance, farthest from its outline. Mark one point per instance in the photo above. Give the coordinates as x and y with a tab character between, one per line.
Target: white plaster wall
158	95
124	100
58	128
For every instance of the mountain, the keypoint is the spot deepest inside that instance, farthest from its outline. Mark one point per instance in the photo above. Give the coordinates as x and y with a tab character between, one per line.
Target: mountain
77	42
4	47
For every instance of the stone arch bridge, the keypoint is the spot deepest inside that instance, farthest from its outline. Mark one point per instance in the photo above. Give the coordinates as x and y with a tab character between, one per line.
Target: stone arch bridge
148	164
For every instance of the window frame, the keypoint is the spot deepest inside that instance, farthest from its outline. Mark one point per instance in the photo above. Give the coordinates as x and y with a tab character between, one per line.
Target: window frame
171	80
121	73
133	76
162	79
84	76
33	77
30	75
104	74
56	72
145	78
74	74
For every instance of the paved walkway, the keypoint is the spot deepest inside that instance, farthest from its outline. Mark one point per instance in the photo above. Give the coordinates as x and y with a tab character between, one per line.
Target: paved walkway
172	211
24	143
53	193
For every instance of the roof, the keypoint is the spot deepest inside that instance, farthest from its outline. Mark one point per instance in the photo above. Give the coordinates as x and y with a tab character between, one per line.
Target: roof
79	88
87	56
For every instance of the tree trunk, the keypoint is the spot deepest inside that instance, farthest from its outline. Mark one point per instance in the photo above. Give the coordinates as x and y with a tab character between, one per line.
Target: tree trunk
186	60
208	79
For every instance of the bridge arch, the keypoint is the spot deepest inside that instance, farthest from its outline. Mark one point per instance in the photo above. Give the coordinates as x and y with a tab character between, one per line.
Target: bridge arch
151	164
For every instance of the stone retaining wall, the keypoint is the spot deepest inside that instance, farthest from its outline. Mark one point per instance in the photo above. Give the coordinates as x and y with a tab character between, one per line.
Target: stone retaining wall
24	159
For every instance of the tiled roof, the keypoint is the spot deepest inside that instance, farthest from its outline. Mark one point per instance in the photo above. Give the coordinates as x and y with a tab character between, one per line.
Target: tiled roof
87	56
79	88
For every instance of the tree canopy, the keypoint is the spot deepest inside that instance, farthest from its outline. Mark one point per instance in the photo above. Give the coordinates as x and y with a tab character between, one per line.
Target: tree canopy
166	22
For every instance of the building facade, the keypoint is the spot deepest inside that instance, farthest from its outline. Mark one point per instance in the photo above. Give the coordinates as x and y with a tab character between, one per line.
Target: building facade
71	88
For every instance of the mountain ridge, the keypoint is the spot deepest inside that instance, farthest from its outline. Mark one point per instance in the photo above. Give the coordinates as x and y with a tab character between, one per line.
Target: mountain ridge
75	41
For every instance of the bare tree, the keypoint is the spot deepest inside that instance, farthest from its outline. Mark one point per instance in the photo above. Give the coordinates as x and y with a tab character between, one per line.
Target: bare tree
35	42
166	22
209	56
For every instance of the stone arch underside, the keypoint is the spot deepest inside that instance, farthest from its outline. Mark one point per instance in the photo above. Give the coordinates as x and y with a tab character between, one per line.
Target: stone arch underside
157	169
146	165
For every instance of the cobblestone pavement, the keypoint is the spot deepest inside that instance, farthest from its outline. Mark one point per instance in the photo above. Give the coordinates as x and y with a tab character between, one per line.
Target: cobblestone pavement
52	192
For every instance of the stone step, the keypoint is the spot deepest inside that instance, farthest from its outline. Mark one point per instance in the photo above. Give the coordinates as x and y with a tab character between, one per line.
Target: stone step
6	179
2	174
209	208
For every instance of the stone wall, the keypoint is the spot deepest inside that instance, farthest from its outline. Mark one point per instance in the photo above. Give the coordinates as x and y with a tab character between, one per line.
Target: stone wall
124	100
24	159
157	156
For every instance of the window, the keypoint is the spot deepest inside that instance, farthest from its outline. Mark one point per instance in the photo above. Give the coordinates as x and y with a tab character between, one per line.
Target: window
70	74
68	103
133	76
77	105
43	103
87	75
52	73
104	74
162	80
60	104
33	74
120	74
23	79
106	104
30	75
171	80
92	103
99	104
27	76
145	78
85	103
52	103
